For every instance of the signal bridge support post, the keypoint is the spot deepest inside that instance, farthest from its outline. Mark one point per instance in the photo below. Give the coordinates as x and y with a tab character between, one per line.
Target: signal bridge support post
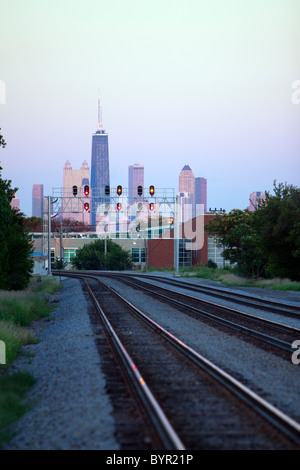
176	236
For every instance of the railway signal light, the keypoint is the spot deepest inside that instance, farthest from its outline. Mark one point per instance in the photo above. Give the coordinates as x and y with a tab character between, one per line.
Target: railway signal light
107	190
151	190
119	206
151	206
140	190
75	190
119	190
86	206
86	190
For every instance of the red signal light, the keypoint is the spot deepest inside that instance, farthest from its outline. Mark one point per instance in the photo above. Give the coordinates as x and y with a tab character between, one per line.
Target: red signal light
86	190
86	206
151	206
119	206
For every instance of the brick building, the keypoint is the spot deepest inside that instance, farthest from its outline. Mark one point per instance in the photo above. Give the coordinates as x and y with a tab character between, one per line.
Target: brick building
161	250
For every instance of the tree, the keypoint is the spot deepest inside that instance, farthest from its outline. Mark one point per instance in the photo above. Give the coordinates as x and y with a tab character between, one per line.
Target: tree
15	244
33	224
2	141
92	256
69	225
277	222
236	233
18	260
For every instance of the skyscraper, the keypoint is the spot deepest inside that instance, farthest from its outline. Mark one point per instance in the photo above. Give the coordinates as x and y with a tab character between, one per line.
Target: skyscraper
255	198
200	194
37	200
72	209
187	193
15	202
100	164
135	179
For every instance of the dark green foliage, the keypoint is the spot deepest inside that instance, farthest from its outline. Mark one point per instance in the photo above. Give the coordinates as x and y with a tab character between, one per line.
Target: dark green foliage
33	224
236	234
92	256
2	141
18	263
277	223
266	242
58	264
16	247
13	390
211	264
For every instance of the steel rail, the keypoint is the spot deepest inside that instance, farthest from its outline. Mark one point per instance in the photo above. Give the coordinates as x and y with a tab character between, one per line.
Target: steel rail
167	434
242	298
276	417
227	323
273	415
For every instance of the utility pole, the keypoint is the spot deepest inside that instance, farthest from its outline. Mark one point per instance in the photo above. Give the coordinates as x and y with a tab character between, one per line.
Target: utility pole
49	236
61	248
176	236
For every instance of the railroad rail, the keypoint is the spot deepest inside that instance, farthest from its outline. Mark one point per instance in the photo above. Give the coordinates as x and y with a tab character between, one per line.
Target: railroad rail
269	305
277	418
167	435
269	332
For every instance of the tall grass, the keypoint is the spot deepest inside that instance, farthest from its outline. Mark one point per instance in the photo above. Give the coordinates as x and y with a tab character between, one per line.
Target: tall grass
13	390
18	309
46	286
22	307
14	337
229	278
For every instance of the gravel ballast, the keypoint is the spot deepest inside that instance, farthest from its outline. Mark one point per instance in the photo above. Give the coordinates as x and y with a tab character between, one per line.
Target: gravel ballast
70	407
276	379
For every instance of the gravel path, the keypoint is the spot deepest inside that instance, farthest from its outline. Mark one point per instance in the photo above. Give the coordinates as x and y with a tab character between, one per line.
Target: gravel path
71	408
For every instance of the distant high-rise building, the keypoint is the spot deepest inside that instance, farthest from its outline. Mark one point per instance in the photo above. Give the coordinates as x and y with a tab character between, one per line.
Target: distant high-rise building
70	209
15	202
187	193
37	200
255	198
99	166
135	179
200	194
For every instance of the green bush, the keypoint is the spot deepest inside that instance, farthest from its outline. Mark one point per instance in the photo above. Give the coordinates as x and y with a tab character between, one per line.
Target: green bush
211	264
92	256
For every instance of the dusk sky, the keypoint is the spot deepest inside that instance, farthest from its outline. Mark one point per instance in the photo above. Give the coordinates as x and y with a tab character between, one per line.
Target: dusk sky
203	83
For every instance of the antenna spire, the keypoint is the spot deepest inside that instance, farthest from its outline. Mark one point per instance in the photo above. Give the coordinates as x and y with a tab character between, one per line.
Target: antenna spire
100	125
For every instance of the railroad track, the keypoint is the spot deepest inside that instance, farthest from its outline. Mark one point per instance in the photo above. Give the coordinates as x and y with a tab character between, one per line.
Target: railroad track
267	305
190	405
277	335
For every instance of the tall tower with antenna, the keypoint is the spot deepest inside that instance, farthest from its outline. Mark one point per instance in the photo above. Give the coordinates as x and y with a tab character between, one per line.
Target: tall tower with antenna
99	165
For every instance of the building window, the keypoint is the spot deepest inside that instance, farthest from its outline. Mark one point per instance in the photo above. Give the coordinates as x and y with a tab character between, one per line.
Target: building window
185	256
214	252
69	254
135	253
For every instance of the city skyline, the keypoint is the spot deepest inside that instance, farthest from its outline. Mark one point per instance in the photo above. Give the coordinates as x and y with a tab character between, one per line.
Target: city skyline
100	176
208	84
135	179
